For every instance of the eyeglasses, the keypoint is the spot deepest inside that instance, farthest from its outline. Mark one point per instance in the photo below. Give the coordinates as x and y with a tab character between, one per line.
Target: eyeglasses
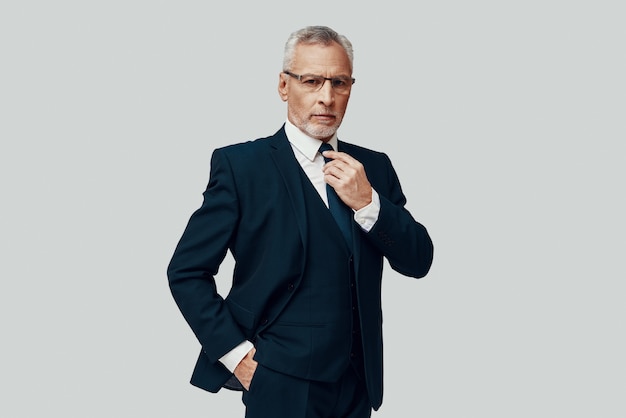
312	82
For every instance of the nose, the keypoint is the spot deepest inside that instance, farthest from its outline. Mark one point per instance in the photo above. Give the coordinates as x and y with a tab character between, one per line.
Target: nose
326	94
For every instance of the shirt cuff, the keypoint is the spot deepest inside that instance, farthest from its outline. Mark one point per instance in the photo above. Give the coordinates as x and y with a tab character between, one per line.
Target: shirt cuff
232	359
367	216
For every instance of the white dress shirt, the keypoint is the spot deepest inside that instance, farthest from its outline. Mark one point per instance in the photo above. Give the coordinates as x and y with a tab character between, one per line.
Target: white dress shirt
306	151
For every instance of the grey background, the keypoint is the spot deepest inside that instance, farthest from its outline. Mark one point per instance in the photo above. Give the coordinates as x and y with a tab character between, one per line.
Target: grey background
504	120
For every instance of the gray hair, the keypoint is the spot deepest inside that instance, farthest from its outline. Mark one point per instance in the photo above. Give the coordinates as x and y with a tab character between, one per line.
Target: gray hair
314	35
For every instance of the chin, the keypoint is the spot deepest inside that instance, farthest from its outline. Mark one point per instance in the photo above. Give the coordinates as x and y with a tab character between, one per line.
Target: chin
321	132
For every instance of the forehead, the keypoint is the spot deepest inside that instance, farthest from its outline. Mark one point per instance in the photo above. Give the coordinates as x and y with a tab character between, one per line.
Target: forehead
321	59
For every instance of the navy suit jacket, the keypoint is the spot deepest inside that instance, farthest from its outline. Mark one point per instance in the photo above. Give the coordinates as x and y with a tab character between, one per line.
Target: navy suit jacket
254	207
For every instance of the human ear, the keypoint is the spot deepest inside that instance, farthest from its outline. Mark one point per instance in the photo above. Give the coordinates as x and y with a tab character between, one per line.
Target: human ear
283	89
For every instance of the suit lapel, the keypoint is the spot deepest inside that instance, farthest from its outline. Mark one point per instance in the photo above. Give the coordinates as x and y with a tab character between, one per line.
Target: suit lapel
289	170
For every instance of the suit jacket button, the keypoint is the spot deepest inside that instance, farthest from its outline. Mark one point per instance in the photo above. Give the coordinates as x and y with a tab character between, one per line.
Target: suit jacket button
290	287
263	321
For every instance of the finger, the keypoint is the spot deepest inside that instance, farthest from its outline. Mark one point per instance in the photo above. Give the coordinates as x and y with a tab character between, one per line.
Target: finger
337	172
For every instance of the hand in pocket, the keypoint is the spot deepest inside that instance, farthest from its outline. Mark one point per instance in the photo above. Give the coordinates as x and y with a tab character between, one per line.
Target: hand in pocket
246	368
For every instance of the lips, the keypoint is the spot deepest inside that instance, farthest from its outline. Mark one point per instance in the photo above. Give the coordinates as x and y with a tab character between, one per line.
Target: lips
324	117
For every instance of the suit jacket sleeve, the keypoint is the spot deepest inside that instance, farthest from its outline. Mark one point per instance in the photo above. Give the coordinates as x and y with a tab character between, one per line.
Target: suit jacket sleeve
196	261
403	241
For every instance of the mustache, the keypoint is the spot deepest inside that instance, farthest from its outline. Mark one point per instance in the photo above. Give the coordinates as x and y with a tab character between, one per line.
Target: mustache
324	112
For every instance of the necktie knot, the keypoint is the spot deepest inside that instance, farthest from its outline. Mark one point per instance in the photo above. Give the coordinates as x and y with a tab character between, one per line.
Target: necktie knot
326	147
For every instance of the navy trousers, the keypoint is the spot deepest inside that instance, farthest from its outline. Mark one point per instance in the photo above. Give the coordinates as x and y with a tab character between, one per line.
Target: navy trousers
276	395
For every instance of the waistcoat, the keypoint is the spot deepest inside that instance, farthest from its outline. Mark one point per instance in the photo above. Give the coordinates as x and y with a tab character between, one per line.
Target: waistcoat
312	337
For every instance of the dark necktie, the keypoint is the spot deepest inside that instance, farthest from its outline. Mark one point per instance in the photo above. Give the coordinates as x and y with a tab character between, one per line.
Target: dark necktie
339	210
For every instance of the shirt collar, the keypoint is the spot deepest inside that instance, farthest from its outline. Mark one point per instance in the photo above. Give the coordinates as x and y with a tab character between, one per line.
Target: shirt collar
308	146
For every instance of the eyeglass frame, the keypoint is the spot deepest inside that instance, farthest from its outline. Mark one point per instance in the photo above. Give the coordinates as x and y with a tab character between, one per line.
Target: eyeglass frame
299	78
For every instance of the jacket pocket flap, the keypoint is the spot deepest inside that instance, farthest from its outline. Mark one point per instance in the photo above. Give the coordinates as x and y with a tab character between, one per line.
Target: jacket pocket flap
244	317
